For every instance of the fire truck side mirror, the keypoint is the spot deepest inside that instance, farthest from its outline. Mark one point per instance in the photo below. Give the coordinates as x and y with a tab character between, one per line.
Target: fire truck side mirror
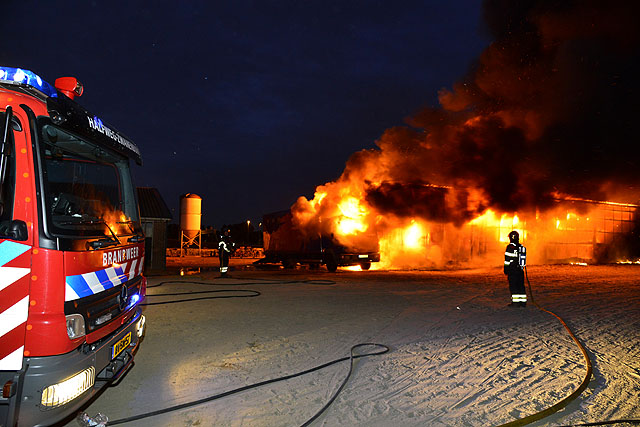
17	230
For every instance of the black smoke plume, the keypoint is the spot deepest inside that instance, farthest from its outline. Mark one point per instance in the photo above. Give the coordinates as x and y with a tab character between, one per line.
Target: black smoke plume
549	109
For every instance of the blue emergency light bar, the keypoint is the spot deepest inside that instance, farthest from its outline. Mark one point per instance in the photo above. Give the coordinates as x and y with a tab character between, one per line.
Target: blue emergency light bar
26	77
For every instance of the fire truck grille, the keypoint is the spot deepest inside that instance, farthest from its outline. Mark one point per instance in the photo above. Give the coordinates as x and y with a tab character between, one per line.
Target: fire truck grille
100	308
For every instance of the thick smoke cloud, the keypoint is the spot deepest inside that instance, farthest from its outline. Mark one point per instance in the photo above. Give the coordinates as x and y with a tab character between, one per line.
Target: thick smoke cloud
549	109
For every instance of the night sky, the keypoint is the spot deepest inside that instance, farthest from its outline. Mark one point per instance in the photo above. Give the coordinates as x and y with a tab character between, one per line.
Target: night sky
247	104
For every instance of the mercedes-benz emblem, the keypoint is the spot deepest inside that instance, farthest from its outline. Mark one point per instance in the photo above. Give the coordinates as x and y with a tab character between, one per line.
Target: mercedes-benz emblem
123	297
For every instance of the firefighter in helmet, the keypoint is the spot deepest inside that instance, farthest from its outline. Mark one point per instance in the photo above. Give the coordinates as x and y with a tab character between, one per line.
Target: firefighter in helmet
225	247
515	260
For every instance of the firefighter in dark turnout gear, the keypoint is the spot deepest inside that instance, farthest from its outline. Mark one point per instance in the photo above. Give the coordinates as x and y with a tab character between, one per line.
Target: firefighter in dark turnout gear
225	247
515	259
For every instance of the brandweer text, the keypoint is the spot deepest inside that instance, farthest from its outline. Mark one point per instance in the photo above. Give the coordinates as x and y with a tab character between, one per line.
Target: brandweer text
120	256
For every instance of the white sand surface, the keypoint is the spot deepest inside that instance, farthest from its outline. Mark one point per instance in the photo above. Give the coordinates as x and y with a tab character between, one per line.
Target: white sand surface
459	355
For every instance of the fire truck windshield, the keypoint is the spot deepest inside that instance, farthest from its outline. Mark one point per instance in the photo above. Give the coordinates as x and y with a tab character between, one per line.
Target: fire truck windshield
88	189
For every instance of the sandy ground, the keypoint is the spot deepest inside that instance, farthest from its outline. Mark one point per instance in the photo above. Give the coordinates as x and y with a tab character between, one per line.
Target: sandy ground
459	355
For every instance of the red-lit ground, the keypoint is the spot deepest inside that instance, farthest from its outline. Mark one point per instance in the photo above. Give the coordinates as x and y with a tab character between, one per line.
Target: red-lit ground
460	356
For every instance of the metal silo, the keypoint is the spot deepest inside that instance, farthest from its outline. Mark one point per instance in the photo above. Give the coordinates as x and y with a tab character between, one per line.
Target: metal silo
190	217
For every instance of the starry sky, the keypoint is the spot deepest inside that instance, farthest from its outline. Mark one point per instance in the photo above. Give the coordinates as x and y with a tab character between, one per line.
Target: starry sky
249	104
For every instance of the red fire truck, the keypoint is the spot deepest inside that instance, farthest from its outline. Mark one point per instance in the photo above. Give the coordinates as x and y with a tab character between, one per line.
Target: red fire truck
71	251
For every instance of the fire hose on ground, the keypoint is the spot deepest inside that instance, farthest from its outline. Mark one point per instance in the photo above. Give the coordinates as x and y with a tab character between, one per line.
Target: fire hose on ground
381	349
577	392
245	293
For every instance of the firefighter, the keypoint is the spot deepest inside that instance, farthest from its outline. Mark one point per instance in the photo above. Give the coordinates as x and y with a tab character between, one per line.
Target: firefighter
515	259
225	246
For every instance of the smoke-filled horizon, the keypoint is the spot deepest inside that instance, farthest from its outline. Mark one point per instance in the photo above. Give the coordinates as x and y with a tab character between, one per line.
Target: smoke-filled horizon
547	110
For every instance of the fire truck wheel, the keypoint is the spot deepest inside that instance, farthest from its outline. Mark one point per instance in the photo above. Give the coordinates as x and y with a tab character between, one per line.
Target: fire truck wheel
365	265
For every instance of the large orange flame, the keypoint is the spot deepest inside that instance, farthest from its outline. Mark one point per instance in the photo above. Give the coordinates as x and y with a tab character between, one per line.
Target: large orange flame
572	231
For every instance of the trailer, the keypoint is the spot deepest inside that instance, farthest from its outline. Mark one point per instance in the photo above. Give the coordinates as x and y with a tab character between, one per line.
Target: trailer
288	245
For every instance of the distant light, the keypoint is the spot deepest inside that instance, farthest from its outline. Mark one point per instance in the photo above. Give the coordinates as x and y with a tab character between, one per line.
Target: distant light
18	75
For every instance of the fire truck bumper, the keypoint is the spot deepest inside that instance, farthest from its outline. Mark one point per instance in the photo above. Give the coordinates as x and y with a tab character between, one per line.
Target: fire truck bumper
56	387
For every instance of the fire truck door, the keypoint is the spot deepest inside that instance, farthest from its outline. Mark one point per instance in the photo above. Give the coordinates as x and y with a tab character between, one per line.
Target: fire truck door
15	243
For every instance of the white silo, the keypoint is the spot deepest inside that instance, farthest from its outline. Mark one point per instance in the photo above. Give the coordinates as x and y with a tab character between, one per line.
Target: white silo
190	220
190	214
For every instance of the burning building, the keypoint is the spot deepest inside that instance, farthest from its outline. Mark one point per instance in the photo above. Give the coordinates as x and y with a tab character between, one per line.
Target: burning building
540	137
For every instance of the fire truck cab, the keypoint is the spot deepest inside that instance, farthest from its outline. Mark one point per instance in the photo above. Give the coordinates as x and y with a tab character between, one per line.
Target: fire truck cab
71	251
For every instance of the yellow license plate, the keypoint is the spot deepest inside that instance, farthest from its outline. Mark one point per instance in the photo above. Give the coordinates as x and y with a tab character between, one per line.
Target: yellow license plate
121	345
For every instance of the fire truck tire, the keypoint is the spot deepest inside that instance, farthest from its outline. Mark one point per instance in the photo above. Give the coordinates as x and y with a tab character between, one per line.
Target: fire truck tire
365	265
288	263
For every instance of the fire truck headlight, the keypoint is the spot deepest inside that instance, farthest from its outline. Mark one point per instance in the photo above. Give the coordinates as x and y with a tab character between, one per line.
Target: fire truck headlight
65	391
75	326
140	326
